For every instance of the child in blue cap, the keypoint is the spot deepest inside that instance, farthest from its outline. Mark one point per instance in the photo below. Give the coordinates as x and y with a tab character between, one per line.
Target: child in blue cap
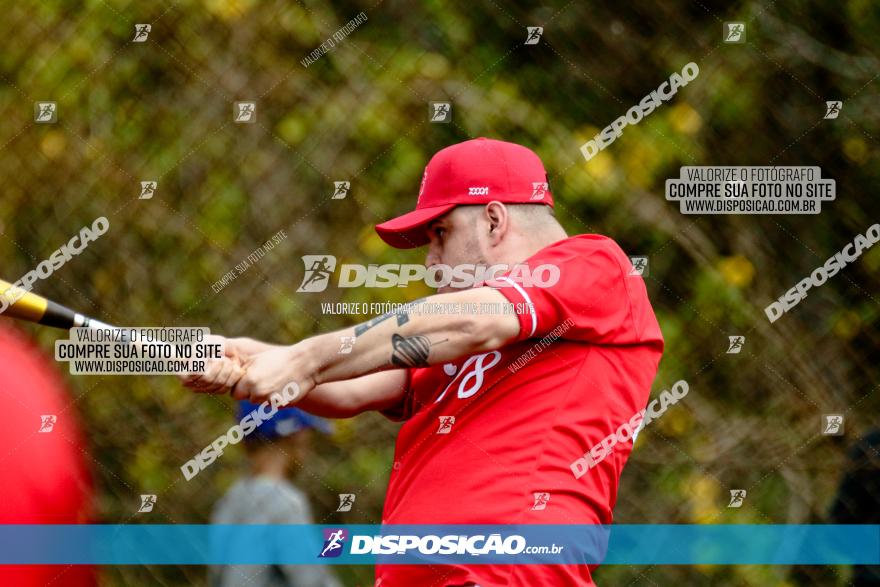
266	496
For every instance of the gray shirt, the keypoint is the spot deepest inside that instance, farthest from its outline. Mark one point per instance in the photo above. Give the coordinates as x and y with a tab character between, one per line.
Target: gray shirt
264	500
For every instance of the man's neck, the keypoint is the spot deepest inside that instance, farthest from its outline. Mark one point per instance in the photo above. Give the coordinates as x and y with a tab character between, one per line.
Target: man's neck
528	248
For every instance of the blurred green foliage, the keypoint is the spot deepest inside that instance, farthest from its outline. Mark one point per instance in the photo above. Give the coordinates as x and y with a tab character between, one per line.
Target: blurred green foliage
162	110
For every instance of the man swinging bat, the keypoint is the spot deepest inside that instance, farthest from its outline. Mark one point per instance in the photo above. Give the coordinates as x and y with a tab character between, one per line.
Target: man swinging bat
511	433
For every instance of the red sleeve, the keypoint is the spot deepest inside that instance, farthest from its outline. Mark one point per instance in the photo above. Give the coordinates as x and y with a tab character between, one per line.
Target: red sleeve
595	298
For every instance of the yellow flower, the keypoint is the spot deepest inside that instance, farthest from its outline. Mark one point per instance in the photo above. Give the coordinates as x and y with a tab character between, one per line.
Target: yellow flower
855	149
601	166
434	66
737	270
847	325
685	119
53	144
704	498
229	9
371	244
675	422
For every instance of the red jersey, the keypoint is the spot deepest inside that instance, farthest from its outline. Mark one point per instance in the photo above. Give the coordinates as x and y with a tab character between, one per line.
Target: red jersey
44	478
523	413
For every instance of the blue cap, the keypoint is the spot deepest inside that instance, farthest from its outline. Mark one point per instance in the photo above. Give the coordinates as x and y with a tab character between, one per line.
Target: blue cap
286	422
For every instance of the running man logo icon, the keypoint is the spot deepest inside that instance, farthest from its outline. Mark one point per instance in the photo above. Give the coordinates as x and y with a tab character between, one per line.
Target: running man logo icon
147	503
539	190
148	189
446	423
45	112
47	423
832	109
346	344
319	268
440	112
639	266
734	32
346	500
533	34
341	190
333	542
245	112
736	498
541	499
832	424
141	32
736	344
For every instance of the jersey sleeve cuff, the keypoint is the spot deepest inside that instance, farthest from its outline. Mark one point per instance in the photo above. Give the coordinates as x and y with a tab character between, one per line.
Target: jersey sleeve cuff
524	309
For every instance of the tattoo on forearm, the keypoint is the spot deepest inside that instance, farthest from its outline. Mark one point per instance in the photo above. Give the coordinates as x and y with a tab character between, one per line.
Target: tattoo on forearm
411	351
402	318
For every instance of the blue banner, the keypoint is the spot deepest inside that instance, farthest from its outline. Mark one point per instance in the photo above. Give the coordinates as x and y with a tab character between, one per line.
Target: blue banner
655	544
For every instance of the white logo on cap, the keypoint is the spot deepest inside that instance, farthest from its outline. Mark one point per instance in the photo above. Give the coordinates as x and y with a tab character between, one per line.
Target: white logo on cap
422	187
539	188
478	191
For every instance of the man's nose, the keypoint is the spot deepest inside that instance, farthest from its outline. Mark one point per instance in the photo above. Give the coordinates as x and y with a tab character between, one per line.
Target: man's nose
433	256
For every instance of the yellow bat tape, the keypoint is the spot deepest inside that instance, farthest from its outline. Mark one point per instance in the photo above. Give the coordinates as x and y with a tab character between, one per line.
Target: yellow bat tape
19	303
29	306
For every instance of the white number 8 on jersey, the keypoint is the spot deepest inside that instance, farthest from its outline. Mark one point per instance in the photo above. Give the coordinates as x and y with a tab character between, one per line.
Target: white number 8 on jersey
475	376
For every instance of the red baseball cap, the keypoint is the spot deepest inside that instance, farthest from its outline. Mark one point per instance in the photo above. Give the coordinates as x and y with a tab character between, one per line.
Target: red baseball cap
473	172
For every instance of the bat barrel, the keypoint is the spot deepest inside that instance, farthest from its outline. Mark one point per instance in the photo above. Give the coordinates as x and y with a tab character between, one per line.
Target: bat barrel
21	304
16	302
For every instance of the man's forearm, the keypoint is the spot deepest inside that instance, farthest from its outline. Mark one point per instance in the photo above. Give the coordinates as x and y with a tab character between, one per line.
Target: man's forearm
414	338
390	343
344	399
336	399
251	346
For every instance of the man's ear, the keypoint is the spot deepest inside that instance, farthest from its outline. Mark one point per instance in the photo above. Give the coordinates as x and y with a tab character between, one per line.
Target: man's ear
498	218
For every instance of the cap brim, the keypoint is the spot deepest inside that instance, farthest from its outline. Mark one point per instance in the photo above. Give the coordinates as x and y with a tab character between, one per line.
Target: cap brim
408	231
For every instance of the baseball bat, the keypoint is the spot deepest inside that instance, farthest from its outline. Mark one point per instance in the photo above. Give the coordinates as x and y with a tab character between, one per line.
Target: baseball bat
18	303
